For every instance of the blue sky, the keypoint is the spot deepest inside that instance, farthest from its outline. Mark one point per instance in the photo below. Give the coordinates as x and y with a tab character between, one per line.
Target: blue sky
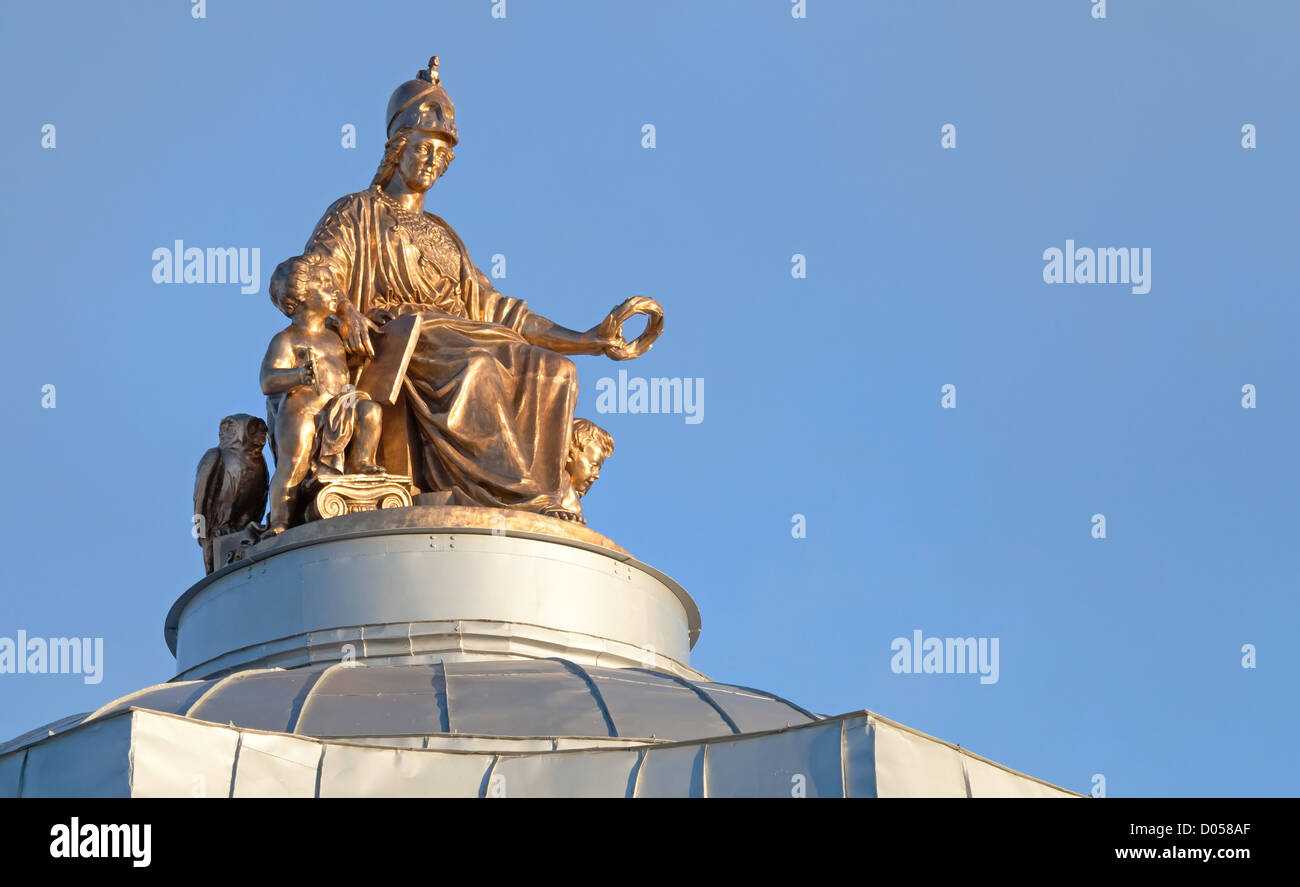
774	136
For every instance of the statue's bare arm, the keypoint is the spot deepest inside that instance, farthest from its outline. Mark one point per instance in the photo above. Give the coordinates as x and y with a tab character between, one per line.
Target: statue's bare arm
548	334
279	374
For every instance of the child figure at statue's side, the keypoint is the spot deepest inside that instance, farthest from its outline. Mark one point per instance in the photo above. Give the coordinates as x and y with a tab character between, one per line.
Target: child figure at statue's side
312	409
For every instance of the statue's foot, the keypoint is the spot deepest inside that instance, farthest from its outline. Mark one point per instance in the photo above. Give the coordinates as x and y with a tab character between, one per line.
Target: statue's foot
369	468
275	530
562	513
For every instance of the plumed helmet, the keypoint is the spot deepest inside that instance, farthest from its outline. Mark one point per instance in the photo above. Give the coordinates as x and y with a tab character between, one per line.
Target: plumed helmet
423	104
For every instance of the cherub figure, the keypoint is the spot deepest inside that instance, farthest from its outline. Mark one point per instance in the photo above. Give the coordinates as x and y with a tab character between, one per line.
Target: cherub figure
589	447
313	410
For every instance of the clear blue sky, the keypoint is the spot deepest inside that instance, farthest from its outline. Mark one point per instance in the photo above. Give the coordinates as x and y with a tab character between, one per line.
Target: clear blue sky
822	395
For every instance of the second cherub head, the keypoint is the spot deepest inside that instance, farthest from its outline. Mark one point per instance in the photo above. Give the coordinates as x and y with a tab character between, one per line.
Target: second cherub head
589	447
306	283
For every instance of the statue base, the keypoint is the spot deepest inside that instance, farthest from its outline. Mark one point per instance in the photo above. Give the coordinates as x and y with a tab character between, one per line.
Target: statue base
417	584
336	495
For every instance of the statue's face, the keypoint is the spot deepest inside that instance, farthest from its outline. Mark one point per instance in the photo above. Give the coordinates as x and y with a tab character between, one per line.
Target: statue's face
584	467
319	296
322	297
425	158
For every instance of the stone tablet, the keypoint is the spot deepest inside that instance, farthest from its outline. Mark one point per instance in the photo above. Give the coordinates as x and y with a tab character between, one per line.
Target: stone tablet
382	377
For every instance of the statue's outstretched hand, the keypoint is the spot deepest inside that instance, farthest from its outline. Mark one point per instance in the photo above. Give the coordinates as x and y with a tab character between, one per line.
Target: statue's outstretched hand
608	335
354	330
611	328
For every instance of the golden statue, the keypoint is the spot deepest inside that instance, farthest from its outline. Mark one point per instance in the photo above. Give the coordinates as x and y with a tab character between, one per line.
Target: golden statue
404	373
485	412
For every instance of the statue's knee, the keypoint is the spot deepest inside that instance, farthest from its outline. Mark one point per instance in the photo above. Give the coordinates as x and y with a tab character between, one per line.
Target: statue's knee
370	413
476	360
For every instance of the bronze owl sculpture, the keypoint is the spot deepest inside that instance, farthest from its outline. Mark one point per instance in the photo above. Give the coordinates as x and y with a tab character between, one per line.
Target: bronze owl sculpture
230	486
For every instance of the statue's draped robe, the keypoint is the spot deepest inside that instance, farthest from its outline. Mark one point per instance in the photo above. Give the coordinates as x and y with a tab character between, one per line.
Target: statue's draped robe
494	413
335	425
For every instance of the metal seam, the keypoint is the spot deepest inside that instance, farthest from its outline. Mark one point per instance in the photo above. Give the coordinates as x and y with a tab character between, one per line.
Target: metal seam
320	768
234	763
799	708
222	682
22	772
440	677
126	700
292	726
311	692
636	771
487	777
704	770
709	701
581	672
844	758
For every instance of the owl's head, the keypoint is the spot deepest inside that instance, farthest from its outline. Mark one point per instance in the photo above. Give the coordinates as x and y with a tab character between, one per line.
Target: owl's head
242	431
252	433
228	431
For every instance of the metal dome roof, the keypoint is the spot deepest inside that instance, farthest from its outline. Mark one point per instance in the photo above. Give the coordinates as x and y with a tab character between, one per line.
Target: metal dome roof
499	698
